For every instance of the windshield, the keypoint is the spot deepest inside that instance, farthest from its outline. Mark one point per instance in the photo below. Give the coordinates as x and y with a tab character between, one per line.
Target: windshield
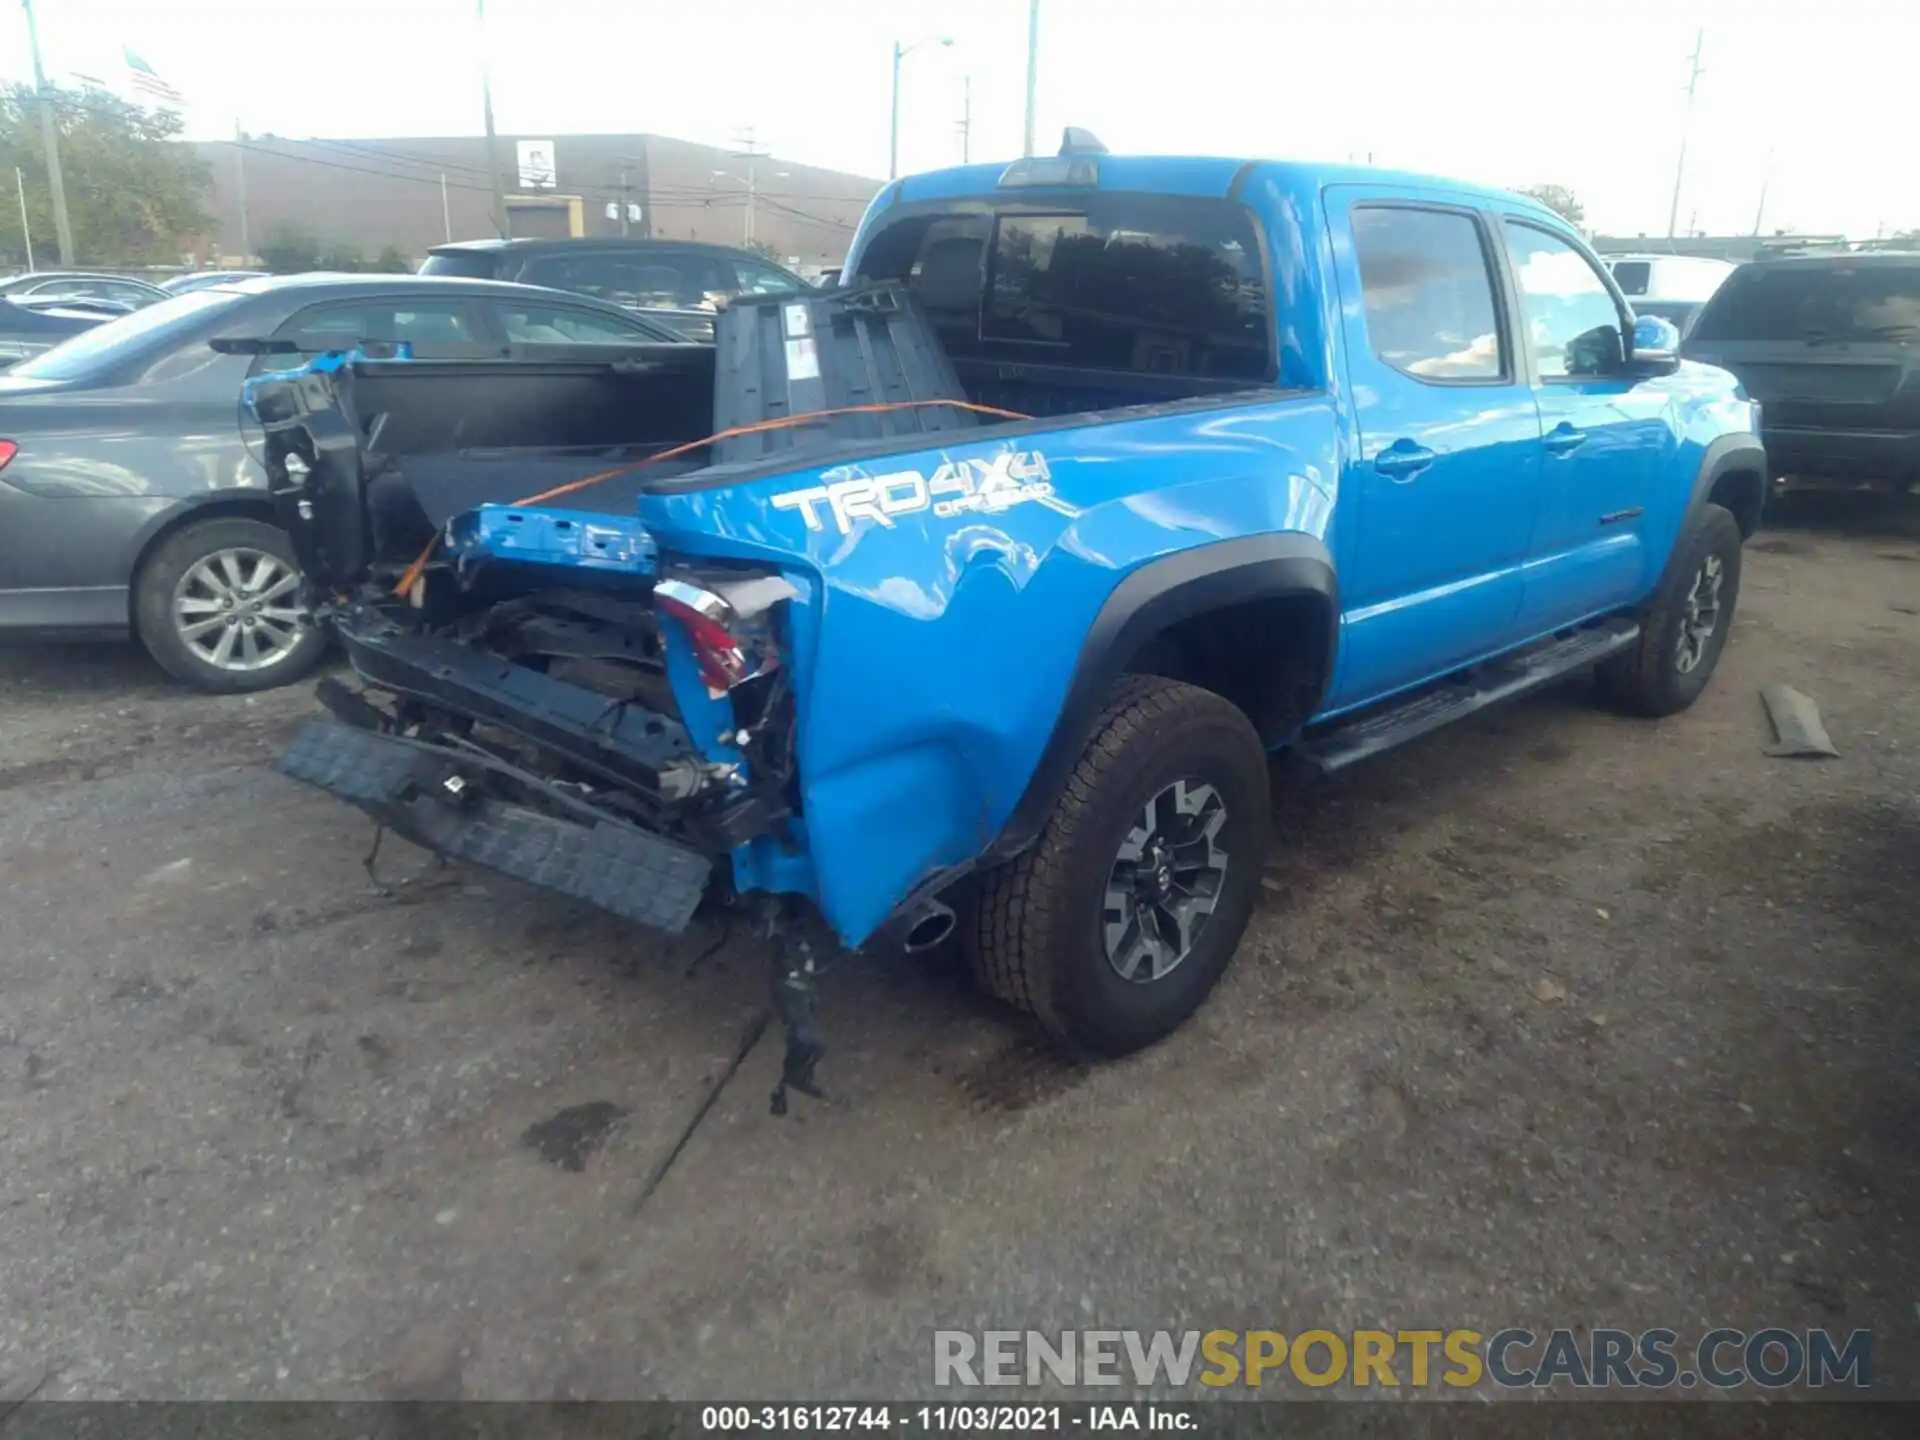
467	264
153	328
1815	302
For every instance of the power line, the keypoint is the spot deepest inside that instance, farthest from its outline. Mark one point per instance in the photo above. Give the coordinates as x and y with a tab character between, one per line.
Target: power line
674	196
356	169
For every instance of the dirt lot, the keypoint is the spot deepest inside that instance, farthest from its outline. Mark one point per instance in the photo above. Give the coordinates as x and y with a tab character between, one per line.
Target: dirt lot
264	1132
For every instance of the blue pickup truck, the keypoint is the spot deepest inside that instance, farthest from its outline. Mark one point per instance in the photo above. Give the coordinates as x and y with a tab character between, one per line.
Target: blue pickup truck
975	593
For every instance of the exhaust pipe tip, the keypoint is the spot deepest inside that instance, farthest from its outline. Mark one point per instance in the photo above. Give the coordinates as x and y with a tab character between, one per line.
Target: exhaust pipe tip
932	924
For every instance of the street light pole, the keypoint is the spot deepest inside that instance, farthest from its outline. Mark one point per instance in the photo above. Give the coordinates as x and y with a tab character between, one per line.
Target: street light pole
50	137
240	190
900	52
486	108
26	234
893	133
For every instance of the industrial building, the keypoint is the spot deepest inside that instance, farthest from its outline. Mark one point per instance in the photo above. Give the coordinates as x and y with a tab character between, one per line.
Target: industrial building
416	193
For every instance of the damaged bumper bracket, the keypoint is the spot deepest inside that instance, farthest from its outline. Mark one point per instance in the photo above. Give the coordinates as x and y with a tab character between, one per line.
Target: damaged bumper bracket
419	792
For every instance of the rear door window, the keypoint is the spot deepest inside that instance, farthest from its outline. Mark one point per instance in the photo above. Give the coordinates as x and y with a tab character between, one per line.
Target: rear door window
1153	284
1837	301
539	324
1428	291
666	280
434	327
757	279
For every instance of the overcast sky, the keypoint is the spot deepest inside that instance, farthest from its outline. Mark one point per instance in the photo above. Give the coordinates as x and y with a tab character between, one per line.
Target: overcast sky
1506	92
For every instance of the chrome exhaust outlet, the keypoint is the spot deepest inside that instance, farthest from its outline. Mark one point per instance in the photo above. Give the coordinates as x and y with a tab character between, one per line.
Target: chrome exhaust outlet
931	923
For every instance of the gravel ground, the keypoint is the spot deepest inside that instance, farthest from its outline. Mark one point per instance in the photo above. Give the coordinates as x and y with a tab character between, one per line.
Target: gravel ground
1558	1018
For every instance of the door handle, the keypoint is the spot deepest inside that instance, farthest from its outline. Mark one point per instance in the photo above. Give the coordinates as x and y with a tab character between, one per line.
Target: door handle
1402	460
1563	438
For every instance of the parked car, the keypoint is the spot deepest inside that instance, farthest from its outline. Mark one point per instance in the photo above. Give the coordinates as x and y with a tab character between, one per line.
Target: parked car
1669	277
1830	346
200	279
131	495
677	282
123	290
1228	455
32	324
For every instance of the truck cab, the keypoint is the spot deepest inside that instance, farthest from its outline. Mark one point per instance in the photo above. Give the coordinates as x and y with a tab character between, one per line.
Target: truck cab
1007	562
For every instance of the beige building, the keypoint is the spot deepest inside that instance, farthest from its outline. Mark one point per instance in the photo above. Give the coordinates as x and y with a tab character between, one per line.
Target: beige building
419	192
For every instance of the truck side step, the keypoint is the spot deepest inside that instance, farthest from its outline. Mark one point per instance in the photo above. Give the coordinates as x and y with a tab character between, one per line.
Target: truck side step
1343	742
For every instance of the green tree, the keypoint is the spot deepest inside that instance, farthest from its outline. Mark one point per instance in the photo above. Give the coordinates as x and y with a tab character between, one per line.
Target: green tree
134	192
290	249
1559	199
392	260
341	255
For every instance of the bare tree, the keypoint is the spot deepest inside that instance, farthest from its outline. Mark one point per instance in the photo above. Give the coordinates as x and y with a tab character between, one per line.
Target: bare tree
1559	199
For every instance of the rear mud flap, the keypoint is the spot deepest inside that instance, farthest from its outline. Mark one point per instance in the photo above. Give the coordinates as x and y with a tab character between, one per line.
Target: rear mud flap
419	792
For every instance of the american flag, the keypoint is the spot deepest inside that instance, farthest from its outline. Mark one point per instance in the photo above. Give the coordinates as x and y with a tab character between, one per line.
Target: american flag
143	78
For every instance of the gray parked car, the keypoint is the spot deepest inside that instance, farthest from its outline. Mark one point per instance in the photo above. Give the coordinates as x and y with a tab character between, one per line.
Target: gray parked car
681	283
201	279
122	290
131	498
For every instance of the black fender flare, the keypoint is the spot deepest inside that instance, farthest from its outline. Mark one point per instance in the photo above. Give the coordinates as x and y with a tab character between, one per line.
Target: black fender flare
1158	594
1739	451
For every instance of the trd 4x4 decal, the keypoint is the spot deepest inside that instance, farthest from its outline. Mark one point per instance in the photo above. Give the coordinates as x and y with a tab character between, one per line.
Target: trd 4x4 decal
959	487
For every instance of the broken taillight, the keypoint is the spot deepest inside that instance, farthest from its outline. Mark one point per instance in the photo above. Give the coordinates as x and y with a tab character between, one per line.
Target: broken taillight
706	619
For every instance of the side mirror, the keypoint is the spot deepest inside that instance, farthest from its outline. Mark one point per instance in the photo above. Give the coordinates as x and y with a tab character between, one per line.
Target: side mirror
1656	347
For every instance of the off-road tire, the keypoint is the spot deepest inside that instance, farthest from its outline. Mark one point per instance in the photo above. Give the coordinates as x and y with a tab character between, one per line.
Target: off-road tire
153	618
1035	937
1647	679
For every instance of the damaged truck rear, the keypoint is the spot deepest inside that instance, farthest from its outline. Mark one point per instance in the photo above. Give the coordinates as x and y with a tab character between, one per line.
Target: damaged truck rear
978	590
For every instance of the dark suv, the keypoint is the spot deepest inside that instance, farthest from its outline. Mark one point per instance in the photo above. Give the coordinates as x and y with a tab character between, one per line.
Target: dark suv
677	282
1830	346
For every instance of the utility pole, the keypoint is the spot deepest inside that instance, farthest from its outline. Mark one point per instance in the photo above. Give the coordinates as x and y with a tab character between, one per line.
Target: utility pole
1033	69
446	210
486	106
50	136
966	119
623	202
1680	170
240	190
1766	177
752	150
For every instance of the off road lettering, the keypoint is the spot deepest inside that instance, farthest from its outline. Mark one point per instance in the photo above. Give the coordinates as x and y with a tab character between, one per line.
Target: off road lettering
987	485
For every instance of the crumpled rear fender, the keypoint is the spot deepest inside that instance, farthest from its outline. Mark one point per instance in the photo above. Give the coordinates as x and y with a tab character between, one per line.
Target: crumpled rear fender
950	595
